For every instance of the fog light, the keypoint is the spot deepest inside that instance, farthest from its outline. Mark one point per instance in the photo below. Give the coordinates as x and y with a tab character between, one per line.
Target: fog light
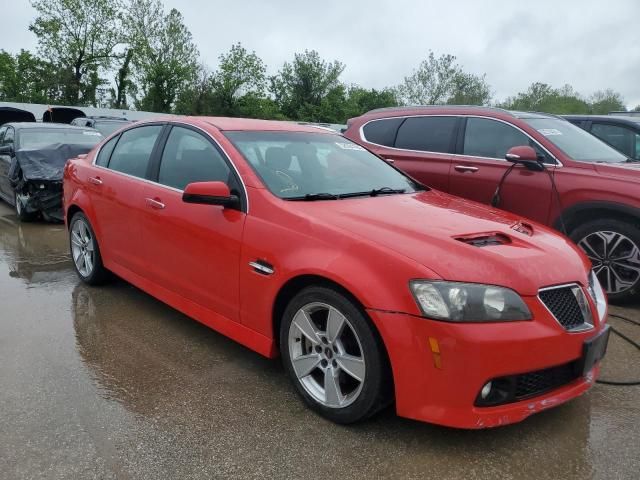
486	390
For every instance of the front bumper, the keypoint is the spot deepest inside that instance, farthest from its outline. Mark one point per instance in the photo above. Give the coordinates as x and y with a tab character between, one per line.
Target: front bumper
444	390
41	197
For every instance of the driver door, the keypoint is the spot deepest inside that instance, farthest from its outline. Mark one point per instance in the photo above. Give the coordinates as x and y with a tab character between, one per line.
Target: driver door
477	172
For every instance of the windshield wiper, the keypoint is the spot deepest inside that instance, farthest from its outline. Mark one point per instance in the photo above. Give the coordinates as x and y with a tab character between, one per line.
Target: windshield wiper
309	197
374	192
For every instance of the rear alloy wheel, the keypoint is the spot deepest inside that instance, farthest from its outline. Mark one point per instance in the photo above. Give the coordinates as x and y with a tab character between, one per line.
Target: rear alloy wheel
333	356
613	247
85	252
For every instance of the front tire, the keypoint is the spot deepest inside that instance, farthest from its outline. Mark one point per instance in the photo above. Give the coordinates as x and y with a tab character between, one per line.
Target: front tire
333	356
613	246
85	251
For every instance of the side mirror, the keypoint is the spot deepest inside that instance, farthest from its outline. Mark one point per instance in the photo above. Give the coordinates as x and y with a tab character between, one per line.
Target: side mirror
525	155
6	150
210	193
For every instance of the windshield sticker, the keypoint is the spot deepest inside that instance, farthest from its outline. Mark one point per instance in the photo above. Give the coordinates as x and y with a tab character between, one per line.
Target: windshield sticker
93	134
548	132
350	146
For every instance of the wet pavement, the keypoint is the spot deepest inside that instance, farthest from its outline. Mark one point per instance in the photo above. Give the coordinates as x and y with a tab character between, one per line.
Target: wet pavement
109	383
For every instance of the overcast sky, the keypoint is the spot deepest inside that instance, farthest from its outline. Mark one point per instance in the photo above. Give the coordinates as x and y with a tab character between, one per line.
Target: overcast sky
590	44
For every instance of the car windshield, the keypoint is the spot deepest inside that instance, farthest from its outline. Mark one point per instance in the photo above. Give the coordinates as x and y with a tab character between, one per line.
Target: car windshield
575	142
38	138
317	166
107	128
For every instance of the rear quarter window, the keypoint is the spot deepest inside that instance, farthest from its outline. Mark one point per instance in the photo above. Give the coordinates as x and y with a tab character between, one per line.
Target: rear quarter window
382	132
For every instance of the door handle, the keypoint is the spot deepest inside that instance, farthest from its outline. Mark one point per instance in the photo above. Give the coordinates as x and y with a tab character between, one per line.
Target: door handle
95	180
466	168
154	203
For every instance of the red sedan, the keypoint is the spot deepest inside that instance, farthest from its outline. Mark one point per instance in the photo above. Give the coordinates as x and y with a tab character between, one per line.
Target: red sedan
375	289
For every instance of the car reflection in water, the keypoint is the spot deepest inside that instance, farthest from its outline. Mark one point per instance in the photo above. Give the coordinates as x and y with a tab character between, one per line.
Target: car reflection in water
35	253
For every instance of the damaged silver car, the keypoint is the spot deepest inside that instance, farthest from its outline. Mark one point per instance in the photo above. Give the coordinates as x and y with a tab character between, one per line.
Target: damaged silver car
32	157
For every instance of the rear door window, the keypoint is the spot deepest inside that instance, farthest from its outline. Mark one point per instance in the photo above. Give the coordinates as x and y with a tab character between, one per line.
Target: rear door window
132	153
621	138
427	134
382	132
9	137
189	157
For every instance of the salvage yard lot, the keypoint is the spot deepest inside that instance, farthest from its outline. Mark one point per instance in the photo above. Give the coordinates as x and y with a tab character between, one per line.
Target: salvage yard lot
110	383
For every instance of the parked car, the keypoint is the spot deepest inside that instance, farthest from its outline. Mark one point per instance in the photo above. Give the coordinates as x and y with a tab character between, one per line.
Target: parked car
289	238
621	132
105	125
32	156
585	188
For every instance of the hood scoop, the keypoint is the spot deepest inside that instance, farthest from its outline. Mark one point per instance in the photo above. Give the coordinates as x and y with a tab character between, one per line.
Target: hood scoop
524	228
485	239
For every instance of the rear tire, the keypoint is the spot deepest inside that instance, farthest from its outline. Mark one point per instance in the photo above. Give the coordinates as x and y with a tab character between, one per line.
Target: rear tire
85	251
333	356
613	246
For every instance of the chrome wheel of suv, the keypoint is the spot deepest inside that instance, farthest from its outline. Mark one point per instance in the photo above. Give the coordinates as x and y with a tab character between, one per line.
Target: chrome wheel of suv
615	258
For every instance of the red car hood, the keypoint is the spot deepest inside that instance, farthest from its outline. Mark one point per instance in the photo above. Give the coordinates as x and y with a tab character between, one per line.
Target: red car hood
426	227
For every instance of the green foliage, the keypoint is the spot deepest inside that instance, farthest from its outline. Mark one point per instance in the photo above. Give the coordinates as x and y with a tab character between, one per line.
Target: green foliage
29	79
541	97
300	87
360	100
165	59
78	36
441	80
605	101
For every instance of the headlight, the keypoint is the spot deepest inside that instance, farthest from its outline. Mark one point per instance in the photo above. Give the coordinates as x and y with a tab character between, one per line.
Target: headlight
468	302
597	294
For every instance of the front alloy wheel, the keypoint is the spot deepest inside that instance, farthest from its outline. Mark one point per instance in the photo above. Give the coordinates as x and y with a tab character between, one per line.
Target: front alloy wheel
334	356
614	250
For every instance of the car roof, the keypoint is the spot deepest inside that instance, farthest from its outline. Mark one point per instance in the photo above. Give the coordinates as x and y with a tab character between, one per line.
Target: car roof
626	120
252	124
46	125
453	110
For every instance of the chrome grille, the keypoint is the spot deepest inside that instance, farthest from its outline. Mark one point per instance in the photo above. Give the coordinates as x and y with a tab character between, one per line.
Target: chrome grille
569	305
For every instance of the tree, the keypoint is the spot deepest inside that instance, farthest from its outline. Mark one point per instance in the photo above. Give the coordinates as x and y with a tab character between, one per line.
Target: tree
239	81
541	97
123	84
300	87
360	100
78	36
441	80
636	109
165	58
605	101
29	79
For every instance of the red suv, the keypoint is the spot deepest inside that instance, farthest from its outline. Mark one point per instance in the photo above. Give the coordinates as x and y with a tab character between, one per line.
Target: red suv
566	178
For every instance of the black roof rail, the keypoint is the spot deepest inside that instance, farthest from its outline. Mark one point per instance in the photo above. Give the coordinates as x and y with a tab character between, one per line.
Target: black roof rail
422	107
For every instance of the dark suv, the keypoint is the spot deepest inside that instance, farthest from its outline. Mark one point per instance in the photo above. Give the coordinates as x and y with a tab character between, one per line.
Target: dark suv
621	132
563	176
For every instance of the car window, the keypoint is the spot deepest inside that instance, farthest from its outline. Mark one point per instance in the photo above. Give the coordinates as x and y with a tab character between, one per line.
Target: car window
9	136
189	157
2	130
578	144
132	153
294	165
382	132
427	134
36	138
105	152
489	138
622	139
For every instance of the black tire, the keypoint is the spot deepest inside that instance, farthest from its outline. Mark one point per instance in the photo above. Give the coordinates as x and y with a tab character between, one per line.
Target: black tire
595	234
376	391
20	213
98	273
